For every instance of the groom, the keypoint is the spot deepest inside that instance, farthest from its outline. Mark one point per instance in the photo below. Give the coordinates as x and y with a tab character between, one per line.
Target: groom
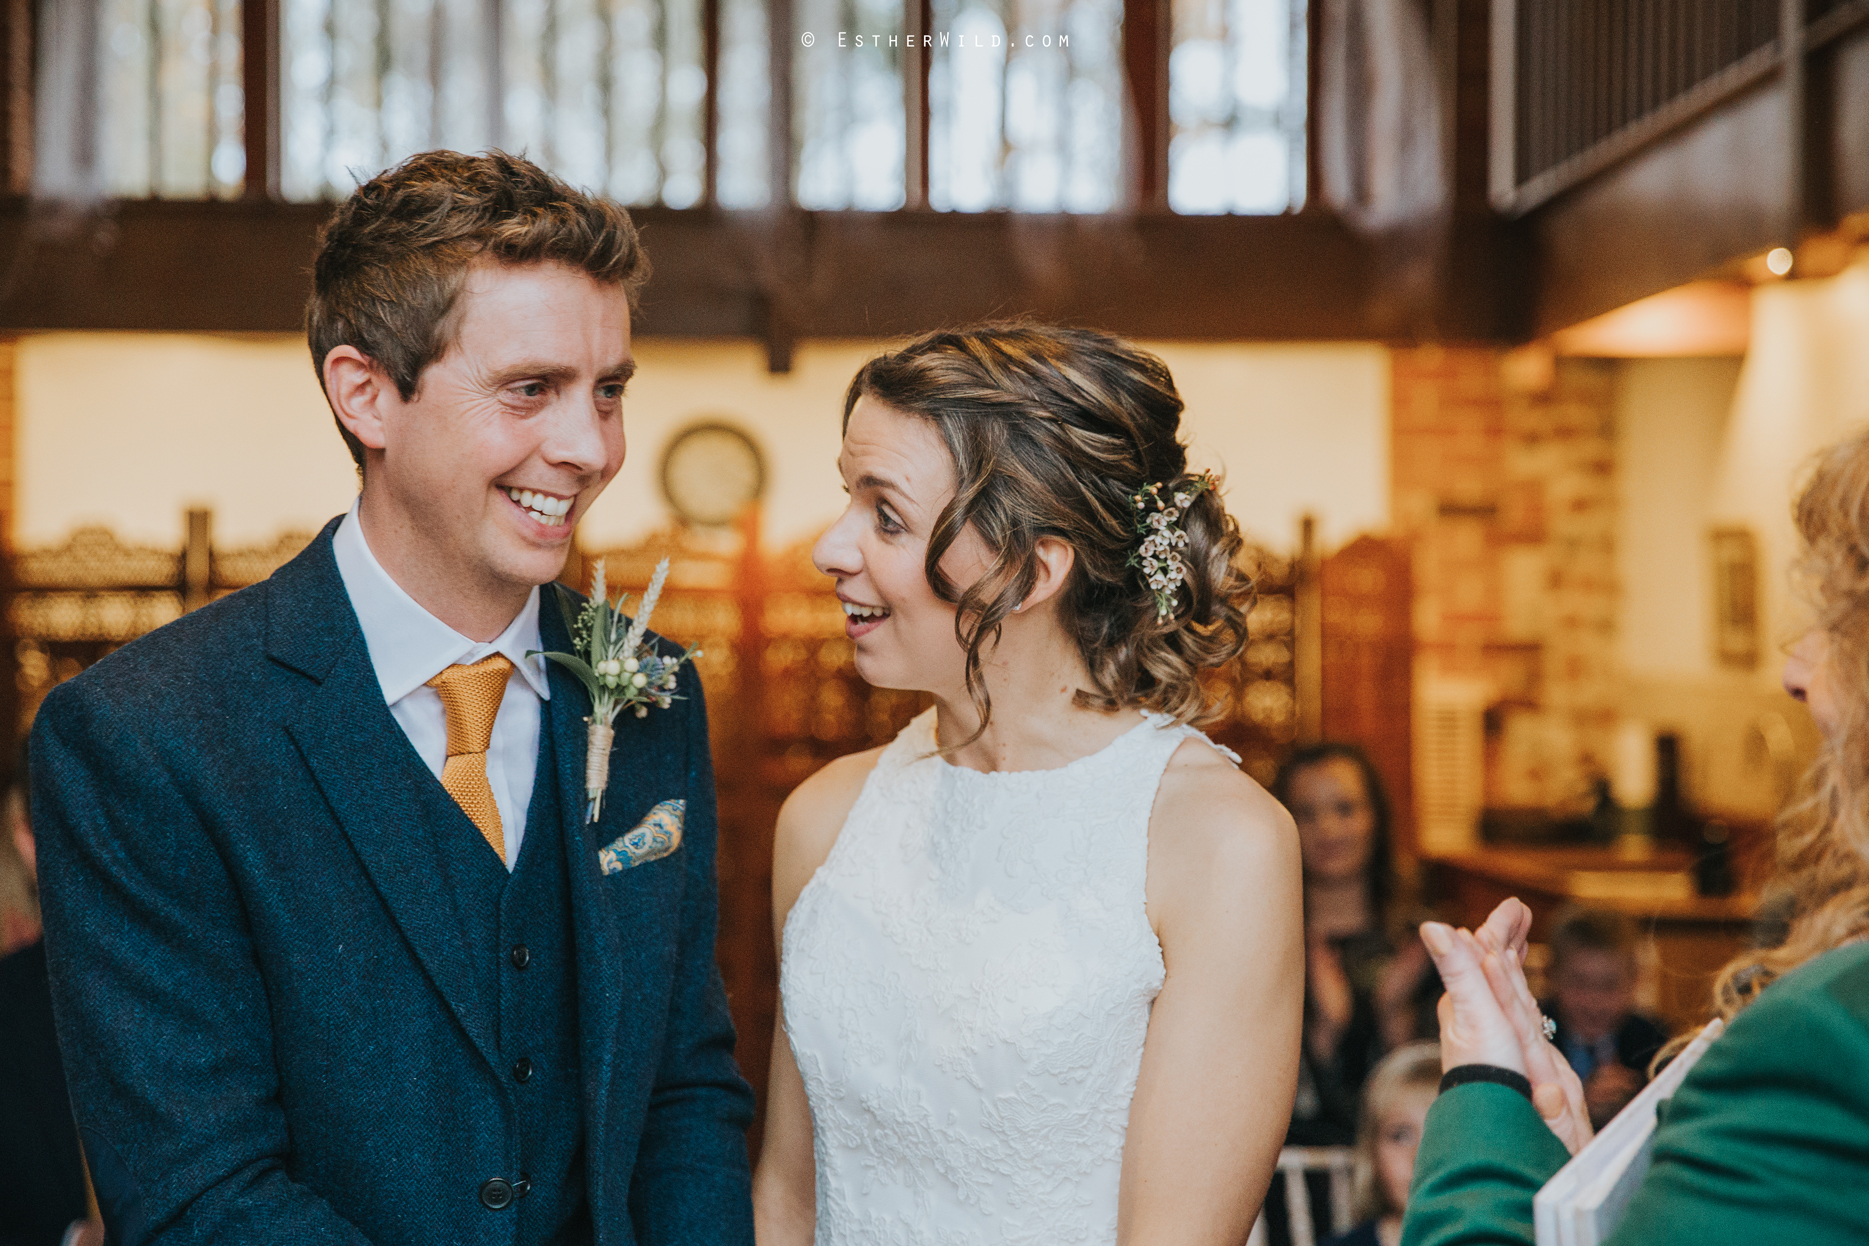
333	954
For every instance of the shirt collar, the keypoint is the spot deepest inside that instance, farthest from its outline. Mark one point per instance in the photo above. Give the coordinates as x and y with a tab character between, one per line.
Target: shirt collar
408	645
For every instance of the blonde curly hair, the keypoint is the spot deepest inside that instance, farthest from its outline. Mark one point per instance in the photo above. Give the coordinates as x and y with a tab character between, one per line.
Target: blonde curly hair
1823	833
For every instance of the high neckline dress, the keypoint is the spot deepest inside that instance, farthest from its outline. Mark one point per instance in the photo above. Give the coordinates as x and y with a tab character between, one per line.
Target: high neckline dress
967	982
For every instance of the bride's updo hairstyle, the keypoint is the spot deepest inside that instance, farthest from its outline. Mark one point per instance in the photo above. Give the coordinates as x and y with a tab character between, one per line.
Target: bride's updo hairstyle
1053	431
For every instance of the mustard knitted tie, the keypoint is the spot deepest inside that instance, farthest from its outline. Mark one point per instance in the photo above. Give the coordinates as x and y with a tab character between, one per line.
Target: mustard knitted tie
471	696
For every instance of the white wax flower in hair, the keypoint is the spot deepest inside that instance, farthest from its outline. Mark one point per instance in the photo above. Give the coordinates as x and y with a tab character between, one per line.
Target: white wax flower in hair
1159	525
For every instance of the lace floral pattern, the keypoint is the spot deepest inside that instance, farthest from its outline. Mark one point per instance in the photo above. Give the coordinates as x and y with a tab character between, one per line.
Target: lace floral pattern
967	983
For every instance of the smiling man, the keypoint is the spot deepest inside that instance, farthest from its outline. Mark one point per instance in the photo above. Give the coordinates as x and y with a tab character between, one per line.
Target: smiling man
333	954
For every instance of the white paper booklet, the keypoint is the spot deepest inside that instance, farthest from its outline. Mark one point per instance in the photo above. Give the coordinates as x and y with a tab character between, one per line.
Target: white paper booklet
1584	1202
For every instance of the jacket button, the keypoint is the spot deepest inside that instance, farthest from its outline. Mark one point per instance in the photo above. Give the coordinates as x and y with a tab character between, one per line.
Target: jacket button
522	956
522	1070
496	1194
523	1186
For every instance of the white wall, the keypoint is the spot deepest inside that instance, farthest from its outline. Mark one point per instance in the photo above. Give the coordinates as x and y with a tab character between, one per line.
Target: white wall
1804	386
1296	427
130	429
1671	419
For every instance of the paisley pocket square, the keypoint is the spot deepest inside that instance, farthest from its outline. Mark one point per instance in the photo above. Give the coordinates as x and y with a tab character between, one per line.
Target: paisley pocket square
657	835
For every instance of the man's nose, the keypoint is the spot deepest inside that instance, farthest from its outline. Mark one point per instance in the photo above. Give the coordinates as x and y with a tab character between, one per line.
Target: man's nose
576	438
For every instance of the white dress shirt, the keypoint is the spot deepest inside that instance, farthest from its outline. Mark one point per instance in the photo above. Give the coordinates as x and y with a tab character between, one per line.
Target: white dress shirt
409	646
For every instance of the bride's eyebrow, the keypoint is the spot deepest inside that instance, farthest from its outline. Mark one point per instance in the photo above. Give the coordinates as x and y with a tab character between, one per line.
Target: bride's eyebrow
882	484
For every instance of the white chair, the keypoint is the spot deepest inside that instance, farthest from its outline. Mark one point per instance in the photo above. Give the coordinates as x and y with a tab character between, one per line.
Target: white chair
1294	1164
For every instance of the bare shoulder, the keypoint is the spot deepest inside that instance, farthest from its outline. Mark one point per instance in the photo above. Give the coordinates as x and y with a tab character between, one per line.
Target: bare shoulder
1215	833
809	822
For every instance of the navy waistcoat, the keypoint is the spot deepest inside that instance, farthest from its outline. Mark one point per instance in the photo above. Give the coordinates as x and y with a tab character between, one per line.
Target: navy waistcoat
518	930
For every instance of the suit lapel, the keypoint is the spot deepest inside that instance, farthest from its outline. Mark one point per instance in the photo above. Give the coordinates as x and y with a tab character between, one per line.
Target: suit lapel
595	924
363	764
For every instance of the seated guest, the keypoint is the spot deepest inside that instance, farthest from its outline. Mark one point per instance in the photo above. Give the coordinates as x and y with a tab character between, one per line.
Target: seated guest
44	1202
1395	1103
1368	984
1604	1038
1767	1138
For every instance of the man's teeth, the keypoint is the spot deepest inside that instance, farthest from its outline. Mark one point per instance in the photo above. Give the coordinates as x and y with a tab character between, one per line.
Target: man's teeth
543	507
855	611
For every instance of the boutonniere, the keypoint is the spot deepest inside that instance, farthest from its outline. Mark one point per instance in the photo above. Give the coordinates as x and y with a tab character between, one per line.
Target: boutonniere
617	669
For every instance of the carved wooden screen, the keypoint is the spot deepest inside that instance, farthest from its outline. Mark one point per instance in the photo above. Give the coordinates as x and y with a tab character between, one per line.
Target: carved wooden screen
1368	603
75	602
1257	692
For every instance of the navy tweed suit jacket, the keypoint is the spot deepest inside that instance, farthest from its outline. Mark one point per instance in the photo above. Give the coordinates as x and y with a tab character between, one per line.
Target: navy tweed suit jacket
269	1021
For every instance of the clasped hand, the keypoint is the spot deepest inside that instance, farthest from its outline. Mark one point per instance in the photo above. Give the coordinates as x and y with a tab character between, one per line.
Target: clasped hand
1488	1015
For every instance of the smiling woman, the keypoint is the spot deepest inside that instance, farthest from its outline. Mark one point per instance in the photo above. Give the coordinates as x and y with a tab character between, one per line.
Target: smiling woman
1041	971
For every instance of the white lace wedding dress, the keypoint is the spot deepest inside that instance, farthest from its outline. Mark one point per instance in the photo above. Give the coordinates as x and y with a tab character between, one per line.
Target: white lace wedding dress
967	982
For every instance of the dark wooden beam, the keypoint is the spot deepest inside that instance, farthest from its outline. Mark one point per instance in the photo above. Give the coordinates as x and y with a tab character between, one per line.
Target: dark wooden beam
710	118
16	87
1787	154
1147	31
1793	85
1680	209
1846	113
230	267
917	22
259	27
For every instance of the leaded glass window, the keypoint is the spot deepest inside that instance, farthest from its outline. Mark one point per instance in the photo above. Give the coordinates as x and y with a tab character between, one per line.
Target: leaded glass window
1025	105
169	101
850	105
609	94
1236	106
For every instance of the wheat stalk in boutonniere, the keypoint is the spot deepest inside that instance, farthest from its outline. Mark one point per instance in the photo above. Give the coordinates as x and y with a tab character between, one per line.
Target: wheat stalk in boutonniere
617	669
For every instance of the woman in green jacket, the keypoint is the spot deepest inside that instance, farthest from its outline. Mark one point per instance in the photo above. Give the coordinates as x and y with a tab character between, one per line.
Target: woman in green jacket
1767	1140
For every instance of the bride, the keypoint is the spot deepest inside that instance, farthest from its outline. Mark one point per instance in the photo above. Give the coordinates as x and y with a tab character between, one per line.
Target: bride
1041	956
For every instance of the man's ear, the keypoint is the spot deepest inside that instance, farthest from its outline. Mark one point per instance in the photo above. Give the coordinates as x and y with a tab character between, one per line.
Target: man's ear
358	392
1052	560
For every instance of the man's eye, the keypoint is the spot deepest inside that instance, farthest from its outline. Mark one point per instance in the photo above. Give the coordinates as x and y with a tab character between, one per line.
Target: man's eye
613	393
532	389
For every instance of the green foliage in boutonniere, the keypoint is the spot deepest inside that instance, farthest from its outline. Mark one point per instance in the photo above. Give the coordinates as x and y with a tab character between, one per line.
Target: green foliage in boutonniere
617	669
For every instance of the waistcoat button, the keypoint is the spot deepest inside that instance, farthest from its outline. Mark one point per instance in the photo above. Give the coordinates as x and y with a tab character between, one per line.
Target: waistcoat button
522	956
522	1069
496	1193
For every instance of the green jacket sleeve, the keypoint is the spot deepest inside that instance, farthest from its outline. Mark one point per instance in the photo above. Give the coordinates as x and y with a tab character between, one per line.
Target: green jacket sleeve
1484	1153
1766	1142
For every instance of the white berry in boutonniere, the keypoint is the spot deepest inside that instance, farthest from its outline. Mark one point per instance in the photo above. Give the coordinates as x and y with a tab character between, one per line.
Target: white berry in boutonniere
616	669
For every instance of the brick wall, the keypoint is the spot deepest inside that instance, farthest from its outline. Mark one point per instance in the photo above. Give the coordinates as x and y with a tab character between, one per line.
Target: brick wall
1504	486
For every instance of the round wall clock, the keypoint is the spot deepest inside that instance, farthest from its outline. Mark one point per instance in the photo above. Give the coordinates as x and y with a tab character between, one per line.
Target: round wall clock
711	472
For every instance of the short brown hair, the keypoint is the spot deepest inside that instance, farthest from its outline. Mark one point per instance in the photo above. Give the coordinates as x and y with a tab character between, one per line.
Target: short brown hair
392	259
1575	929
1052	432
